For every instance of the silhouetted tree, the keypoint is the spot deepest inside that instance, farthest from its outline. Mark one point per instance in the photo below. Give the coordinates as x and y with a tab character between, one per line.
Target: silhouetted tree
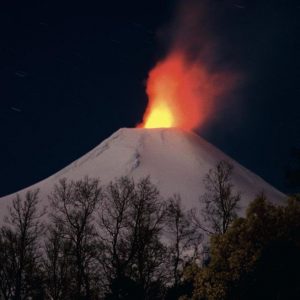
117	249
20	276
145	226
184	240
57	263
74	237
124	288
221	203
131	223
292	174
257	257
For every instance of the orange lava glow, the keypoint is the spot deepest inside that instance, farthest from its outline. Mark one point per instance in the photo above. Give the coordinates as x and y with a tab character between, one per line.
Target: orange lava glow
179	94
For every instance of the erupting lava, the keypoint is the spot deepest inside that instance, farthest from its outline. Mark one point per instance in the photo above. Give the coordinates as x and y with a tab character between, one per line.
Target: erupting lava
179	94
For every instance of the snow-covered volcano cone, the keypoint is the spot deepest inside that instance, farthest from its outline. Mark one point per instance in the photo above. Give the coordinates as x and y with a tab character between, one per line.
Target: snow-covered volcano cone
175	160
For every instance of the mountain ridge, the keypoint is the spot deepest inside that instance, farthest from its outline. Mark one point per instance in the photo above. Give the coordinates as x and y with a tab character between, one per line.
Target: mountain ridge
176	161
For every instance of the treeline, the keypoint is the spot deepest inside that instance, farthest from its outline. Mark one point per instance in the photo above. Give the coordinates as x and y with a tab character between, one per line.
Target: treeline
123	241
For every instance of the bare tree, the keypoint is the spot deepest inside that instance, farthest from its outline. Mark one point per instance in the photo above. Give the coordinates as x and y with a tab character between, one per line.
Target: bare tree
8	263
118	250
19	245
130	227
221	203
74	206
184	238
57	264
147	221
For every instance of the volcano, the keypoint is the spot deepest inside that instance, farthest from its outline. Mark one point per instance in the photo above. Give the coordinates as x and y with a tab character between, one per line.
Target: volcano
176	161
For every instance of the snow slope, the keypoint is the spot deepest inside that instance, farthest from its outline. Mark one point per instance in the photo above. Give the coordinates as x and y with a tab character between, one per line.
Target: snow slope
175	160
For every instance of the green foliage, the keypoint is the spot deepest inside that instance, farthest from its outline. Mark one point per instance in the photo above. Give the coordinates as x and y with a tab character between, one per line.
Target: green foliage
122	241
256	258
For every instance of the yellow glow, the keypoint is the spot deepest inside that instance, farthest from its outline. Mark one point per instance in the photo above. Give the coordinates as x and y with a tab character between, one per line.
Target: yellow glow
159	117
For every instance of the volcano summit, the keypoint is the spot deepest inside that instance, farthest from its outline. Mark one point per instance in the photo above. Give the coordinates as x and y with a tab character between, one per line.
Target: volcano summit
175	160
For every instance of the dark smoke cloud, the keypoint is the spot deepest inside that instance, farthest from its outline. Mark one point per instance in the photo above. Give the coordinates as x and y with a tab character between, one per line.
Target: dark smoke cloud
197	30
257	42
192	30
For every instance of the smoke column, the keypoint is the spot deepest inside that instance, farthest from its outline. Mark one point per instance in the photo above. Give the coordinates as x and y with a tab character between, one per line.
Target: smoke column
184	86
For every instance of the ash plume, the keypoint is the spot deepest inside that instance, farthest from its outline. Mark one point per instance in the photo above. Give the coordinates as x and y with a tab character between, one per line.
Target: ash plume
194	35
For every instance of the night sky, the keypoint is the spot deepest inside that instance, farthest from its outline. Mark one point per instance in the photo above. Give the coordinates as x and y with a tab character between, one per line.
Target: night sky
71	76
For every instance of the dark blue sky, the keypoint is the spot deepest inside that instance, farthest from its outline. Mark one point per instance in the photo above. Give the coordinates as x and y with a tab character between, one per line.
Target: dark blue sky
71	76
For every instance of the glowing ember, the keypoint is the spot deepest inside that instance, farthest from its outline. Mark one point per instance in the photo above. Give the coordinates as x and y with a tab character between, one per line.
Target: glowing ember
176	90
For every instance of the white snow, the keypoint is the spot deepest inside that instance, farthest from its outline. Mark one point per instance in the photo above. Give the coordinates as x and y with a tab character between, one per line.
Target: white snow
175	160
